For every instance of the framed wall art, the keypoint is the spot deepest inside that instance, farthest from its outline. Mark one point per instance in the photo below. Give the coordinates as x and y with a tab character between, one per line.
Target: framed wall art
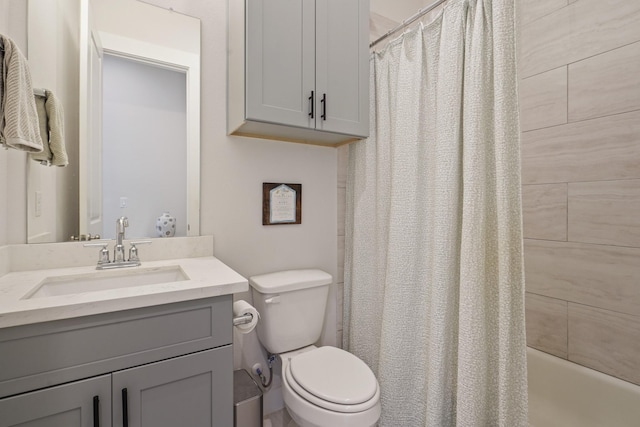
281	203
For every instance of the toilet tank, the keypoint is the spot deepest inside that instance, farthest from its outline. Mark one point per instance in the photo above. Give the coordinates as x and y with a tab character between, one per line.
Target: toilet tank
291	306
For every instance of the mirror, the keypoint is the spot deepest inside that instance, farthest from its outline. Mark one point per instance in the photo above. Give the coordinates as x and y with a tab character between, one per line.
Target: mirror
131	95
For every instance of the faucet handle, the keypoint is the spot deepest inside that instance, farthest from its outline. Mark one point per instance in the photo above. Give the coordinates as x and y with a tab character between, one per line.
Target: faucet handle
103	255
96	244
133	251
141	242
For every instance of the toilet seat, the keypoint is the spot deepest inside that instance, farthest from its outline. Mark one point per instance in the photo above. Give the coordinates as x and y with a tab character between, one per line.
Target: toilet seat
333	379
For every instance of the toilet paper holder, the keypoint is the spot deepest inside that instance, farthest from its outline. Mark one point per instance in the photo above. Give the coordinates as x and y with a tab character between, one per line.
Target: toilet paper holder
243	319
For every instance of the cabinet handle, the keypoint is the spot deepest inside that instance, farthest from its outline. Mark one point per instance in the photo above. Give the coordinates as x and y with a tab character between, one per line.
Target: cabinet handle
311	102
96	411
125	409
324	106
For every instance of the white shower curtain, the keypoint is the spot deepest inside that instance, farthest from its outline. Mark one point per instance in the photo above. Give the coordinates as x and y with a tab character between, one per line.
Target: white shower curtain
434	287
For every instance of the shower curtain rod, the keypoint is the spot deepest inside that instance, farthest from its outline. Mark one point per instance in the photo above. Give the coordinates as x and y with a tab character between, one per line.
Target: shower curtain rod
419	14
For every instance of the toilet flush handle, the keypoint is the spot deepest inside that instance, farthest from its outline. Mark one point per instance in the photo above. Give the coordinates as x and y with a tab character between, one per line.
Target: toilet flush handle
273	300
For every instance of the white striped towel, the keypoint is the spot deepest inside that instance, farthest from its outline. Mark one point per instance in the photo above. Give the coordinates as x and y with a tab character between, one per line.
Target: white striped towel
19	126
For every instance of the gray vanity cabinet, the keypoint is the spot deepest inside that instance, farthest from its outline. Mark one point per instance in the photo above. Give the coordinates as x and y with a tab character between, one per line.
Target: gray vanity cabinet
175	362
304	75
189	391
85	403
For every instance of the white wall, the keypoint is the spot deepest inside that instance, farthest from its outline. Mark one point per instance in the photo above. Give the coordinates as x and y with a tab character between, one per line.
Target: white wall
13	164
397	10
136	20
13	18
54	65
43	51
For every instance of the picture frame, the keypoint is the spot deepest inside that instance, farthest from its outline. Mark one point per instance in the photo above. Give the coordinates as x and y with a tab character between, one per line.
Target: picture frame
281	203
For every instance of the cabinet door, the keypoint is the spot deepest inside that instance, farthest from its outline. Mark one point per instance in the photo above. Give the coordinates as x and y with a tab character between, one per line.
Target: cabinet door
84	403
280	61
342	66
194	390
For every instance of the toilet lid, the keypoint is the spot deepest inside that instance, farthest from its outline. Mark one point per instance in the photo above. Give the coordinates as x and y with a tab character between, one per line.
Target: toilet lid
334	375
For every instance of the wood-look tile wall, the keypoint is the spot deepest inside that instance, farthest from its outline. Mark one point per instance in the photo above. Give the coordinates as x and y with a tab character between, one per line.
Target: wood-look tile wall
343	157
579	66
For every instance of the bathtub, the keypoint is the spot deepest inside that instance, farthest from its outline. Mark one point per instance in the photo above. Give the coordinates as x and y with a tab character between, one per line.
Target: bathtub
564	394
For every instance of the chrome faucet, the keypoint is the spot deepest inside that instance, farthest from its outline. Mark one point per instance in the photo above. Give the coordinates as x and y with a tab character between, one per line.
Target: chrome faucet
118	250
119	259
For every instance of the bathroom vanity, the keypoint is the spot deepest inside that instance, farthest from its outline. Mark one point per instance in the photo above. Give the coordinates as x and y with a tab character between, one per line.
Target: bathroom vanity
156	354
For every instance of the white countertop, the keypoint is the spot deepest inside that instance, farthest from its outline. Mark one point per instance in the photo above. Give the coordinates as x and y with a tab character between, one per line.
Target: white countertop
208	277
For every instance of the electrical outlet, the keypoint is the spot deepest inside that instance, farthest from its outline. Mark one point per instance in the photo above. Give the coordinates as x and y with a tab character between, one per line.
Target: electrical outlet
38	204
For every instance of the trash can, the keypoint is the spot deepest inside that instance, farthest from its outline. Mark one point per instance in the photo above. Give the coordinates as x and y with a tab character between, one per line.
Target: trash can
247	400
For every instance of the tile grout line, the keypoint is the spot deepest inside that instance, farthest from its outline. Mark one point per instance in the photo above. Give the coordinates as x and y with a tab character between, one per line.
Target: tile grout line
581	121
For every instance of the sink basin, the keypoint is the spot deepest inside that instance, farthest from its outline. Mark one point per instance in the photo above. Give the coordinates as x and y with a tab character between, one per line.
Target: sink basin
106	280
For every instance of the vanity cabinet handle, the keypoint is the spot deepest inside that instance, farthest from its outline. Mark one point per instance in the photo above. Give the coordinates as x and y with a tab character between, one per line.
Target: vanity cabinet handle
125	408
96	411
311	102
324	106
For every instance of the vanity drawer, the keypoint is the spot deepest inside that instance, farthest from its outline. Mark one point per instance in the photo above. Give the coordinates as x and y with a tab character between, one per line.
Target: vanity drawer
46	354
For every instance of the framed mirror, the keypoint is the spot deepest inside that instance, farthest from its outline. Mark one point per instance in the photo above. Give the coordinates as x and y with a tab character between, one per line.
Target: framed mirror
133	133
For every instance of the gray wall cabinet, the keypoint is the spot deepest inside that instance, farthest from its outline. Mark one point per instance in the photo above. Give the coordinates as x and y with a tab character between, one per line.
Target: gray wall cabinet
299	70
174	363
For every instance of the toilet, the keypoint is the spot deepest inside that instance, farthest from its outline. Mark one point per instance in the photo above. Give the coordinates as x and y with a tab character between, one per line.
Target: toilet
321	386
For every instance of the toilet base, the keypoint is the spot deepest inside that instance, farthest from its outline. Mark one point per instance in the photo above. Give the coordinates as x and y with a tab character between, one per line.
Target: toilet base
306	414
320	417
359	419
